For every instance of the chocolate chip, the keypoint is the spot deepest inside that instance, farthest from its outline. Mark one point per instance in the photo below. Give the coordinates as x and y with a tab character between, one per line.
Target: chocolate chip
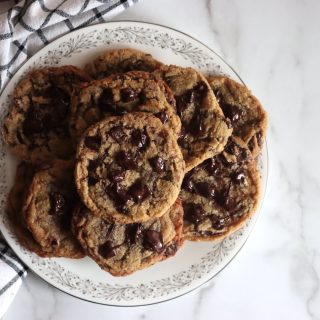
219	223
133	233
196	127
223	199
106	102
218	95
238	177
213	166
106	250
201	88
259	138
187	183
117	175
184	100
140	138
153	241
118	194
182	140
33	123
139	191
242	154
58	203
193	212
205	189
93	143
128	94
92	181
117	133
126	160
171	250
157	163
232	112
94	164
163	116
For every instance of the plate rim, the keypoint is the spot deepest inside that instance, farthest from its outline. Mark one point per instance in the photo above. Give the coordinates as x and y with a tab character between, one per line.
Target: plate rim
264	188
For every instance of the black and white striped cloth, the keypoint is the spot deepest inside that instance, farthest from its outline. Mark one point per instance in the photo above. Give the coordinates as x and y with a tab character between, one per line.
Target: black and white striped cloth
25	27
28	25
12	271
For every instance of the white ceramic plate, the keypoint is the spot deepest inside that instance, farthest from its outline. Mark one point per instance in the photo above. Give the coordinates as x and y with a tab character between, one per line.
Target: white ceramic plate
195	263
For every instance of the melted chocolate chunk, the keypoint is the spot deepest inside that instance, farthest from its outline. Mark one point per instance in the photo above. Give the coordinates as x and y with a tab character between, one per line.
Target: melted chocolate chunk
193	212
106	250
117	133
126	160
106	102
117	175
163	116
259	138
139	191
238	177
94	164
157	163
225	201
182	140
201	88
171	250
196	127
33	123
218	95
242	154
219	223
93	143
187	183
140	138
92	181
58	203
153	241
184	100
232	112
213	166
133	233
205	189
128	94
118	194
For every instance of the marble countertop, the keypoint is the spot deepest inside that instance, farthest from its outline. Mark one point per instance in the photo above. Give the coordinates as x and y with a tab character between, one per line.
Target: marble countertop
275	47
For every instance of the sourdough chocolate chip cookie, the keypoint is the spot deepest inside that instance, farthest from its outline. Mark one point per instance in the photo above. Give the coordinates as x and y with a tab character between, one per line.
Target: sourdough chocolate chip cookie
248	119
220	194
16	197
129	168
48	207
122	249
205	130
121	60
120	94
36	127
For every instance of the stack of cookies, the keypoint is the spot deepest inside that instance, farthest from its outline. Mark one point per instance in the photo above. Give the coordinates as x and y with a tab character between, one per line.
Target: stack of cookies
126	159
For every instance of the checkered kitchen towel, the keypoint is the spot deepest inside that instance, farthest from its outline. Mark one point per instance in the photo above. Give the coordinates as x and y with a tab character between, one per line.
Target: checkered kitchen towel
25	27
28	25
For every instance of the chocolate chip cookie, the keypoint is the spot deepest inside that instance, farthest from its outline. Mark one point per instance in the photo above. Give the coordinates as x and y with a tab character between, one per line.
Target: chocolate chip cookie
16	197
129	168
121	60
48	207
122	249
247	116
36	127
221	193
120	94
205	130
